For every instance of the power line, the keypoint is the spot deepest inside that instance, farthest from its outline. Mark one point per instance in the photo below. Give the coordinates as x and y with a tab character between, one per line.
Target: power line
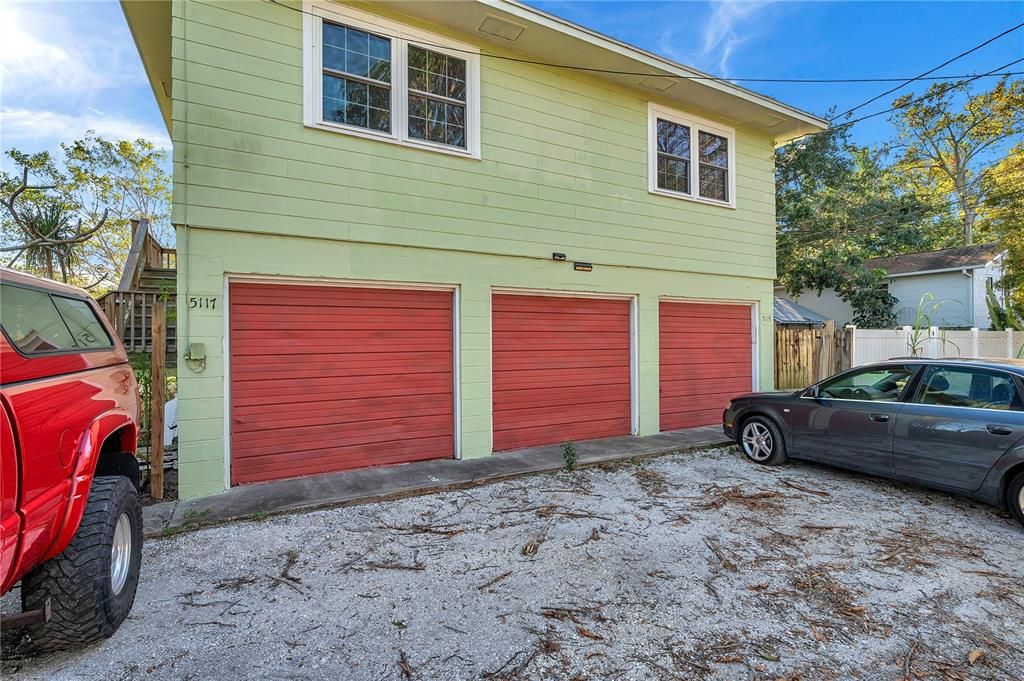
942	91
932	70
646	74
939	93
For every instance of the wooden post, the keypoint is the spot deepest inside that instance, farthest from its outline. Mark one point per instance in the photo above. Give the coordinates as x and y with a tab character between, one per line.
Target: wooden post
156	418
826	358
849	361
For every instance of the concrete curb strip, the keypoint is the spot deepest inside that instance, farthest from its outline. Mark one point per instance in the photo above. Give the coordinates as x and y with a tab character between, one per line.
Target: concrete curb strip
392	482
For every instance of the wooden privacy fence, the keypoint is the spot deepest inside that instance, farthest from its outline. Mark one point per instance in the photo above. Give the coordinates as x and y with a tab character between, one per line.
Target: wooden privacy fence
806	355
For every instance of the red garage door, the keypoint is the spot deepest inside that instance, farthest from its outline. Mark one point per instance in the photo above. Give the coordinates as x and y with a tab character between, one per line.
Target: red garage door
561	369
705	360
328	378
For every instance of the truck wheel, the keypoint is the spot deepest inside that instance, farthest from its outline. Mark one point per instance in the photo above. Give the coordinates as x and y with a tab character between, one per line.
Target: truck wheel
91	584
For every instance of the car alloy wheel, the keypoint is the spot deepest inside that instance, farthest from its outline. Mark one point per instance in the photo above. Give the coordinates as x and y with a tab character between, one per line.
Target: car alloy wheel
757	441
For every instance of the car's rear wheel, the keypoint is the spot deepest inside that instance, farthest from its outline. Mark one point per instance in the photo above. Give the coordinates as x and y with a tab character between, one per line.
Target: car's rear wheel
761	441
1015	497
91	584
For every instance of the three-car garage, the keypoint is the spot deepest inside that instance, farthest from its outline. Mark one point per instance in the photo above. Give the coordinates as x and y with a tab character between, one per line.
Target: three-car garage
328	377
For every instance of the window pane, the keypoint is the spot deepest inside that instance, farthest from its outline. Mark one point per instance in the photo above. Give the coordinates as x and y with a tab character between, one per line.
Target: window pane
31	321
714	183
673	139
673	174
81	320
436	73
874	384
714	150
966	387
356	52
437	121
380	47
357	64
417	58
357	103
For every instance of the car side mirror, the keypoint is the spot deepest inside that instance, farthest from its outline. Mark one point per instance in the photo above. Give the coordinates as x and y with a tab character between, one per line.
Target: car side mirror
811	392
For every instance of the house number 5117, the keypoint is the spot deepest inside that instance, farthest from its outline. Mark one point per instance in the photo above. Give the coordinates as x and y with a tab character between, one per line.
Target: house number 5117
202	302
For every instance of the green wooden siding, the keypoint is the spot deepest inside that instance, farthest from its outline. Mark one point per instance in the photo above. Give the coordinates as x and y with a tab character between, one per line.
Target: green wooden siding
563	168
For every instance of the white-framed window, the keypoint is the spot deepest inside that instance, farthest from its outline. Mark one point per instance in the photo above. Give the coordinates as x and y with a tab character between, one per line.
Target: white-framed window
691	158
371	77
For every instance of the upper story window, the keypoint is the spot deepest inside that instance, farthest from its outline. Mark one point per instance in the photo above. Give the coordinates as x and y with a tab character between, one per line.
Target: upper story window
691	158
370	77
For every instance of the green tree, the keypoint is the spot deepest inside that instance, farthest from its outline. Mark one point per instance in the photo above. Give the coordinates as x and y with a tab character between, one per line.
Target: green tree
1004	217
950	141
89	177
838	204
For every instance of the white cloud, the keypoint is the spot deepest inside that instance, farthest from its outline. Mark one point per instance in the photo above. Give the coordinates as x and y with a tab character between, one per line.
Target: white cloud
18	126
41	52
722	32
728	25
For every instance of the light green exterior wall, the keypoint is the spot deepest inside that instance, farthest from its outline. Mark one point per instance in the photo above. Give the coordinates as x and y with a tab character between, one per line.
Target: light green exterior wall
563	168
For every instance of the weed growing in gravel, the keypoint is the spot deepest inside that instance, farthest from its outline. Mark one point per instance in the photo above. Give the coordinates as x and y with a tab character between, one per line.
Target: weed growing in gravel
569	453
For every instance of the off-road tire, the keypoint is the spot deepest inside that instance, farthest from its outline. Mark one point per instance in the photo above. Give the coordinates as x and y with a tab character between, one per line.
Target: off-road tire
778	456
1013	497
77	582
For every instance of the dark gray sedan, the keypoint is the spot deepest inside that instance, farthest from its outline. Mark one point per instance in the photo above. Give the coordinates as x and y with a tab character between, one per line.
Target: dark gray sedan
954	425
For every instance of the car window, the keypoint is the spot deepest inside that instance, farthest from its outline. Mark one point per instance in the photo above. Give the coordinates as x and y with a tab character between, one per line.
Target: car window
83	323
970	387
876	384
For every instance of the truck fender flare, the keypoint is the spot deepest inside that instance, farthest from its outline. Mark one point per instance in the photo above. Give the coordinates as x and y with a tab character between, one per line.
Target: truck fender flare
90	444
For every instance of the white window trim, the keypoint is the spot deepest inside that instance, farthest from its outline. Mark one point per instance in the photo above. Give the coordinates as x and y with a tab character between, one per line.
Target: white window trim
401	36
654	112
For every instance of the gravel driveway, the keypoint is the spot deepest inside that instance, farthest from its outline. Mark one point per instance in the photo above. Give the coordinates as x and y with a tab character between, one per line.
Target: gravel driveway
689	566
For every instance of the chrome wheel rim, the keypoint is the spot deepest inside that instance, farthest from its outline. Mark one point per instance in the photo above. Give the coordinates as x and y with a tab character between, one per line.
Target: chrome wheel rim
1020	500
757	441
120	553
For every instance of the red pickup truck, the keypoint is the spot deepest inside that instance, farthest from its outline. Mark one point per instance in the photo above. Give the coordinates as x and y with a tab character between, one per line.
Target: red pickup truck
70	517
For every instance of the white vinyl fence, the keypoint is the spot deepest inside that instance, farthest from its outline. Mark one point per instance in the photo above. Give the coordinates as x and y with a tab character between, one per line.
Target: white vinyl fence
873	345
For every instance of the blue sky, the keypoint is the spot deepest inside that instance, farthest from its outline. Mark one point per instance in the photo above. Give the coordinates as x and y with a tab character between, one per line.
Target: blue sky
71	66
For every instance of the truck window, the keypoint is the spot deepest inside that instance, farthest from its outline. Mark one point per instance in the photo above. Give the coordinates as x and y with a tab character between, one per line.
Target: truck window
31	321
81	320
36	322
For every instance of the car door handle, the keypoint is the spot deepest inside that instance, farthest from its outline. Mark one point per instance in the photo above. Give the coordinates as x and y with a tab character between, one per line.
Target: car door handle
999	430
880	418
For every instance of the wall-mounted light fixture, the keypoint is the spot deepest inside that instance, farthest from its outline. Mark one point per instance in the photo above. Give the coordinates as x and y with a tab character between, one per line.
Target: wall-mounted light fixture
558	256
583	267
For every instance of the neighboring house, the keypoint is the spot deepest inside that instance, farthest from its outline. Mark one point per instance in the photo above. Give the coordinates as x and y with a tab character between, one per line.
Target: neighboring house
401	236
956	277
